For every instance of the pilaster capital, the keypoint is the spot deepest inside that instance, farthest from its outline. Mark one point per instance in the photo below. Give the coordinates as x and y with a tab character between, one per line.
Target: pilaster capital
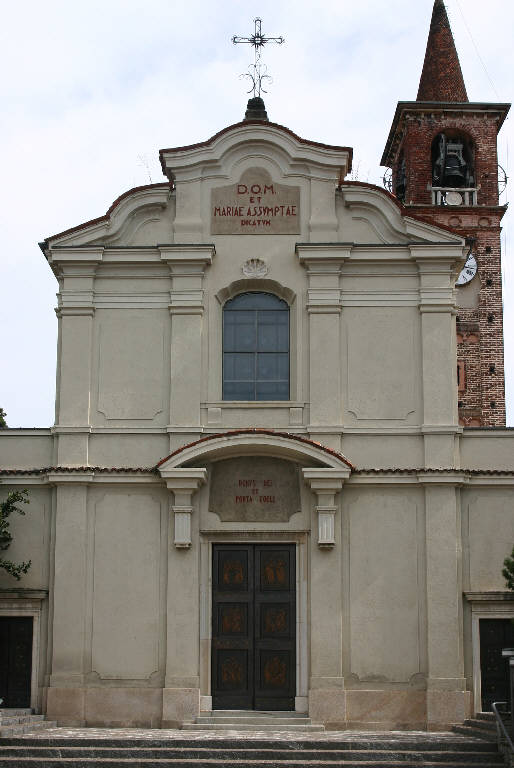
184	479
323	257
187	254
442	478
186	302
183	482
71	478
76	260
326	482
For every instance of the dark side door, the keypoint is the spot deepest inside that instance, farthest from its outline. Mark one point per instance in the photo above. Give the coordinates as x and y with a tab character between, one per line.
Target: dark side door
15	661
254	626
495	634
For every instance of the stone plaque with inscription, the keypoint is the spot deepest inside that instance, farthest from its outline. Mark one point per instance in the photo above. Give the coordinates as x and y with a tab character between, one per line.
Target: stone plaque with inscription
254	489
256	205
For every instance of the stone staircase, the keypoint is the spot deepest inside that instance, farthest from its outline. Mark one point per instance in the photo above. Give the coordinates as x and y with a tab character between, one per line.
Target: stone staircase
244	720
15	722
175	749
481	726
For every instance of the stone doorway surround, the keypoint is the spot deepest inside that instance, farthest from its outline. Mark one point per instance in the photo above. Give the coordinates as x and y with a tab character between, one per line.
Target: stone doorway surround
24	603
485	605
188	675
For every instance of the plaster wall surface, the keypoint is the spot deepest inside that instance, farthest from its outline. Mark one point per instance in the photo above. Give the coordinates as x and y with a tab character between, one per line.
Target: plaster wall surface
385	593
26	448
32	535
487	449
488	529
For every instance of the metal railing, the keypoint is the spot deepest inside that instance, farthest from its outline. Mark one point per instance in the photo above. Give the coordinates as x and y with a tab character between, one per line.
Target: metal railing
505	745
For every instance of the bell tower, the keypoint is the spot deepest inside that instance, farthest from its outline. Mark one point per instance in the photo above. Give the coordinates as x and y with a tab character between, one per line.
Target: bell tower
442	152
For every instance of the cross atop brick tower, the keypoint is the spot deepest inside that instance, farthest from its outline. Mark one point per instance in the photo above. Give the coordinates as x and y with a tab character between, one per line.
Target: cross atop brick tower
441	79
442	150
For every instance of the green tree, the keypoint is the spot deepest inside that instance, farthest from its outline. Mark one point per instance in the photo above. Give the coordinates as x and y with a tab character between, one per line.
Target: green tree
6	508
508	570
3	423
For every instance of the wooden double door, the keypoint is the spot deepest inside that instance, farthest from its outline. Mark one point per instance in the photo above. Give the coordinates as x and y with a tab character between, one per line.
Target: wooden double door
254	626
15	661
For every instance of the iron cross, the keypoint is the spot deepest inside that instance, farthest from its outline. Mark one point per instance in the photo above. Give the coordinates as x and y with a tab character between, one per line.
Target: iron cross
256	72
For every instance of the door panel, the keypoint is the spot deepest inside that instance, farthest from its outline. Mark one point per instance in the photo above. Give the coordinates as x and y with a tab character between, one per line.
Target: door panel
495	634
275	623
15	661
254	622
232	627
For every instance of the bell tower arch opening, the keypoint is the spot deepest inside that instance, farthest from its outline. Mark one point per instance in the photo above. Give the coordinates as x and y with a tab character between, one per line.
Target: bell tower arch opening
452	158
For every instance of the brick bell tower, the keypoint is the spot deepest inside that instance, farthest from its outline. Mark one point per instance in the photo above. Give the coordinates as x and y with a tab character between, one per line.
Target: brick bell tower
442	152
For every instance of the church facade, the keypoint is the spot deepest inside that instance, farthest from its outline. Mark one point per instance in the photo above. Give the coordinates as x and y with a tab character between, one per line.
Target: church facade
258	492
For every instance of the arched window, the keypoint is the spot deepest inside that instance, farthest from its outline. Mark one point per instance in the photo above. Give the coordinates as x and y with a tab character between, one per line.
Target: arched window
256	348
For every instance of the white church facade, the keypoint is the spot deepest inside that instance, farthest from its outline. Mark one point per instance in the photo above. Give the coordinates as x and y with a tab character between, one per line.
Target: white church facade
257	494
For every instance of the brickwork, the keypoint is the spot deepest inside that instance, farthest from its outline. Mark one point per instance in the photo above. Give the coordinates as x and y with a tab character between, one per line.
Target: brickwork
479	330
442	107
421	126
441	83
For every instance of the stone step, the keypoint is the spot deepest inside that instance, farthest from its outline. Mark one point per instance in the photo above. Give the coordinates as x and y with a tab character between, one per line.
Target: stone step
248	756
473	732
348	742
257	721
477	722
253	726
485	716
11	711
251	713
16	719
60	762
29	726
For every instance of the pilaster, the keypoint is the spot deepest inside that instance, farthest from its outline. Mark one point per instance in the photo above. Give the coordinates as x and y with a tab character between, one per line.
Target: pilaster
324	265
187	266
181	694
76	270
447	699
66	694
327	697
437	273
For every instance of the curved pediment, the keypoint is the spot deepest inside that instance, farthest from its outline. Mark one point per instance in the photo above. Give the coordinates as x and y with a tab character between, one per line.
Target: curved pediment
255	442
210	157
369	214
125	219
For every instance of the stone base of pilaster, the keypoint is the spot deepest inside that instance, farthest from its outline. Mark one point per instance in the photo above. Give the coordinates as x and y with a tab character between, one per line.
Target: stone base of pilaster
447	708
386	710
328	707
179	705
105	707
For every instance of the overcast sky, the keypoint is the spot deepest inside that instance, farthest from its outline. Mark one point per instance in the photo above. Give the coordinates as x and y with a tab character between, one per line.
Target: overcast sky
91	90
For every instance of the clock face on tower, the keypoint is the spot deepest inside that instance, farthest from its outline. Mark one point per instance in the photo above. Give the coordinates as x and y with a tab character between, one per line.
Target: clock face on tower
469	270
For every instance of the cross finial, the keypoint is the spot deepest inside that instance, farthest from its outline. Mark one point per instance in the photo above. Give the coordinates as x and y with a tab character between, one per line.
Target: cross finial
257	73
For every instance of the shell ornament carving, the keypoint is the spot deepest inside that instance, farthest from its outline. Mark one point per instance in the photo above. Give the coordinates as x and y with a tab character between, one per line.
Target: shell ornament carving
255	268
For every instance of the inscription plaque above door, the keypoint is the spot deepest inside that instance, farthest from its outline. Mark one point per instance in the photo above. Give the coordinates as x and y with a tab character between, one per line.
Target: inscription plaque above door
254	489
256	205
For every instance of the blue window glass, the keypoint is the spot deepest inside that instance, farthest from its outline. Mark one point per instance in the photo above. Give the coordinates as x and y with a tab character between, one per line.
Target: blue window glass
256	348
